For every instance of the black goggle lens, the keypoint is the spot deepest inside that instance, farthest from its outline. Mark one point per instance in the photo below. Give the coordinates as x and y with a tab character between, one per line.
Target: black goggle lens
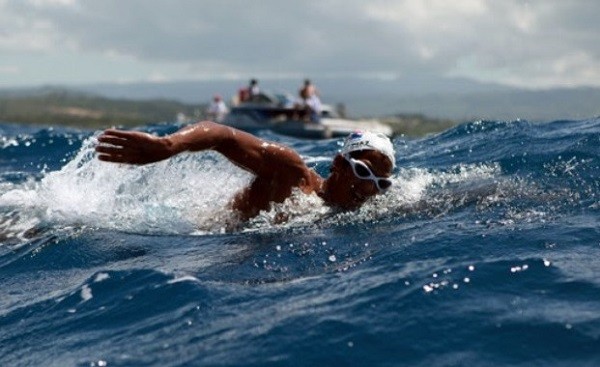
362	171
384	184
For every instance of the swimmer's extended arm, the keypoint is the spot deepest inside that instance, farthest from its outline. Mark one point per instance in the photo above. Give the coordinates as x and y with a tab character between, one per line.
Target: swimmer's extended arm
243	149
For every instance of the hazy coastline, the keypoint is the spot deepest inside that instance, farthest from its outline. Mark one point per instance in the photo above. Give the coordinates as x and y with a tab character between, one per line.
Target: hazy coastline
413	107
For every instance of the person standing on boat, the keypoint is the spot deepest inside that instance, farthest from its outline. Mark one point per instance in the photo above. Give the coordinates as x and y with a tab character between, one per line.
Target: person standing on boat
311	103
217	110
313	108
308	89
361	170
249	93
253	88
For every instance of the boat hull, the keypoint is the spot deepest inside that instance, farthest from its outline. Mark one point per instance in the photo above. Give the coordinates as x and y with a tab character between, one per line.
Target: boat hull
254	117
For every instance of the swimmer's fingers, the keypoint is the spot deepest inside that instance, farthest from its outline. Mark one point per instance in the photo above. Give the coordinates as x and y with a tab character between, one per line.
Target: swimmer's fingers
123	134
110	158
113	149
119	158
129	155
112	140
132	147
124	138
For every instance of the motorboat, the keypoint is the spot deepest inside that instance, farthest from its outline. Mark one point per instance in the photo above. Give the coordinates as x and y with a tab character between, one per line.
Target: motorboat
277	112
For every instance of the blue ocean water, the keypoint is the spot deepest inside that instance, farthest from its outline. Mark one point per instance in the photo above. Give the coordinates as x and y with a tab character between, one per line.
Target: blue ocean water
484	253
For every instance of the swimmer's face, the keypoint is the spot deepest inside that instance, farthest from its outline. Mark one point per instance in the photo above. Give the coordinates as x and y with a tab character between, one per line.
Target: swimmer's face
353	190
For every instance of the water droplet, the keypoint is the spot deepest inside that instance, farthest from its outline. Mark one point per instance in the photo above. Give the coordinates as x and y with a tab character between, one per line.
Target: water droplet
547	262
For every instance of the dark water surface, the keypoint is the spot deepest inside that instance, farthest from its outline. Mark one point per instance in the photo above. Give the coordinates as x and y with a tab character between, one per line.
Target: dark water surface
484	252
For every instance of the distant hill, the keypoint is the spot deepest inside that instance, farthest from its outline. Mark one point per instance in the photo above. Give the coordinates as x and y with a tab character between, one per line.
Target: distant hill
331	89
447	98
532	105
403	103
59	106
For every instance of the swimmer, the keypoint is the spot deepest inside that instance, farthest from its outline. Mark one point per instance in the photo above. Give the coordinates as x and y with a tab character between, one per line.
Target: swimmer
361	169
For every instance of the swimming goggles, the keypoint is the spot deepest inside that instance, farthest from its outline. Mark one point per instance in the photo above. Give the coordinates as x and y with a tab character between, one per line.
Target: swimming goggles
362	171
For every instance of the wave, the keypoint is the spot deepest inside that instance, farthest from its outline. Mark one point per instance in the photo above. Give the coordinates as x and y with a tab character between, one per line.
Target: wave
488	234
483	162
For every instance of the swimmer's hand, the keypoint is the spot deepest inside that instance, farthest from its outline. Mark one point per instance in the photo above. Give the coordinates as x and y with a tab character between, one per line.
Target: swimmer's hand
132	147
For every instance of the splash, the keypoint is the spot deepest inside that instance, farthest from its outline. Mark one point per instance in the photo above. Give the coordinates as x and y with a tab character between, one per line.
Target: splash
189	194
173	196
414	190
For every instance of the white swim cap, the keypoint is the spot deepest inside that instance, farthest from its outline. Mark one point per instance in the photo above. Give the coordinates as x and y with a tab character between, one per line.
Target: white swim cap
365	140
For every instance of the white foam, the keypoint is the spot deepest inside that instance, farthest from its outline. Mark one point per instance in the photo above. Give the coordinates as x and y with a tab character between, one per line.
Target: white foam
86	293
170	197
188	194
185	278
6	142
101	277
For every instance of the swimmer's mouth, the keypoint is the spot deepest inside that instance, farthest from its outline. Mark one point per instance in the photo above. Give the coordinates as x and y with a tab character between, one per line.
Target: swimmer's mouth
359	198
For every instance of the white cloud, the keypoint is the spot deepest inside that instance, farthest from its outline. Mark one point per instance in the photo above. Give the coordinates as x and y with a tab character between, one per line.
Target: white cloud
421	14
18	33
45	3
10	69
537	42
157	77
578	68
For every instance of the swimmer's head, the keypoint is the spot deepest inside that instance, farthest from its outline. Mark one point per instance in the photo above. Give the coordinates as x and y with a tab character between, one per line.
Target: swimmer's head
365	140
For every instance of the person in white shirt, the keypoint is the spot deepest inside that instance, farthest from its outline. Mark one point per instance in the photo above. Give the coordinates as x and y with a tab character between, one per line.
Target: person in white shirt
217	109
310	104
314	107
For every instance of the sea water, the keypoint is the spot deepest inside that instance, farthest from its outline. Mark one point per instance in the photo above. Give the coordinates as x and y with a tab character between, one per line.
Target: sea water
485	252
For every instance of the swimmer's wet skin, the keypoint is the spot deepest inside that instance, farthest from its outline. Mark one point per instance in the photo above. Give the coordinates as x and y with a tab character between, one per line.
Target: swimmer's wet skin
360	171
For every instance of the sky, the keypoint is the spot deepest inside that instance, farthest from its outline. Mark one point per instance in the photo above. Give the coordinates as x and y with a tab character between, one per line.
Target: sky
533	44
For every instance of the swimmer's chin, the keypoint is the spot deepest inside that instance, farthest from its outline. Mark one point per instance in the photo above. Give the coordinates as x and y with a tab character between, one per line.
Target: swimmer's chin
349	206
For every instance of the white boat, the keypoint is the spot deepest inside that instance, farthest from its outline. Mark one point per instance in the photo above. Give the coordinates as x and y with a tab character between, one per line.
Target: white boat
276	112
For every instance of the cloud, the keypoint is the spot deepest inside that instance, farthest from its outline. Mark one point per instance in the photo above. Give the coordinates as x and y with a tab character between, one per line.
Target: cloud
9	69
538	42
